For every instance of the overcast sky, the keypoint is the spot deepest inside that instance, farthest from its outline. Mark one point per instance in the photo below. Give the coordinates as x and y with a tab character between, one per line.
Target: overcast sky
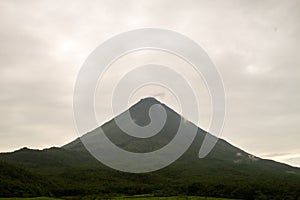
254	44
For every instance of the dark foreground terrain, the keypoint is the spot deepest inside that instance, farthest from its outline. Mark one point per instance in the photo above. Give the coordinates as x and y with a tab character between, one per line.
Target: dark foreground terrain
127	198
227	172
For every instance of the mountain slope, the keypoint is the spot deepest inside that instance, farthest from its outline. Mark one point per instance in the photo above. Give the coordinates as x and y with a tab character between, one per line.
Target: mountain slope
226	172
16	181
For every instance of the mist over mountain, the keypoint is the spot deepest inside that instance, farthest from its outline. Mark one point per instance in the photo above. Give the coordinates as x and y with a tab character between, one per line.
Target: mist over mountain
71	170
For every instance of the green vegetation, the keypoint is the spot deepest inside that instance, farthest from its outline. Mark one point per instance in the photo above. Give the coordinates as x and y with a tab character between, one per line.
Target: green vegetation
128	198
35	198
171	198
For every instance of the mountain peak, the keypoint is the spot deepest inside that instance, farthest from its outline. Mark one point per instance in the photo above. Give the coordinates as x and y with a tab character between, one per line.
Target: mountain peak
150	99
144	104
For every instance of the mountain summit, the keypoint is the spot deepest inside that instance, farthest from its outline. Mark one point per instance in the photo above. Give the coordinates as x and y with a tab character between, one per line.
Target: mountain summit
139	113
227	171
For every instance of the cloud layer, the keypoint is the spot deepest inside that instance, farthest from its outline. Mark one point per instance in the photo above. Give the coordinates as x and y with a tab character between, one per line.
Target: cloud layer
254	44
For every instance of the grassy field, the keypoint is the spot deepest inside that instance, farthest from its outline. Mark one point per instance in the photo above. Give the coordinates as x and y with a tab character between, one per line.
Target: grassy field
128	198
172	198
36	198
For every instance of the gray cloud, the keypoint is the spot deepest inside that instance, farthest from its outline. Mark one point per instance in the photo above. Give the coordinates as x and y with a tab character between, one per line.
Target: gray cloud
255	45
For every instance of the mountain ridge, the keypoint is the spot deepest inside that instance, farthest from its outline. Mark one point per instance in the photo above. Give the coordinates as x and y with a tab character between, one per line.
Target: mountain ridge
227	171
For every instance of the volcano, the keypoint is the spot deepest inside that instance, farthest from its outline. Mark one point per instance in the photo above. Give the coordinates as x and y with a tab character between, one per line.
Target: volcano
71	170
